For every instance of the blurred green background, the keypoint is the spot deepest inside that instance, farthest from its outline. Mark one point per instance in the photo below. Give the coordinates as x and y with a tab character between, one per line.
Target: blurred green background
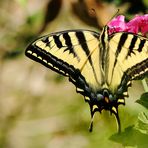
41	109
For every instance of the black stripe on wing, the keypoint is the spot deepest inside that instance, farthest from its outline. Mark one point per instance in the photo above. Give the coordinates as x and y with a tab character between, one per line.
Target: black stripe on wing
141	45
57	41
83	43
50	61
137	72
132	45
69	45
121	43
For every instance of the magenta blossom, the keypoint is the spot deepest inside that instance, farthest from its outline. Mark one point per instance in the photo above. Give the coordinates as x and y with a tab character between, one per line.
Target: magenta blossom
138	24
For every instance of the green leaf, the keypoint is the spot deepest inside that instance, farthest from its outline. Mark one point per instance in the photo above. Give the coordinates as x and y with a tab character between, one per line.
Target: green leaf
131	137
142	123
145	84
143	100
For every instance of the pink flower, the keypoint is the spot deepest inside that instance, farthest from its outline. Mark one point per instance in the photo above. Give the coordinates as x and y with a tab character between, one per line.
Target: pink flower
137	24
117	24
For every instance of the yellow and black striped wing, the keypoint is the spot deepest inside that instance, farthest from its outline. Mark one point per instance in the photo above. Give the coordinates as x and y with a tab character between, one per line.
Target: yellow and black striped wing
128	59
69	53
101	66
103	61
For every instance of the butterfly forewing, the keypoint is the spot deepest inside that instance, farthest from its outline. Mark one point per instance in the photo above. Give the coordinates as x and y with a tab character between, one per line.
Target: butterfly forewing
69	51
128	56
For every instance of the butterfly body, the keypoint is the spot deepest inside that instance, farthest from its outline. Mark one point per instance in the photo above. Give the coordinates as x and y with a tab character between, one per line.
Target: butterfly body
101	66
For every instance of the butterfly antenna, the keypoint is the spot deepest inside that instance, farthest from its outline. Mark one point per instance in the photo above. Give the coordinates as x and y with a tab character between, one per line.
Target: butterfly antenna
117	12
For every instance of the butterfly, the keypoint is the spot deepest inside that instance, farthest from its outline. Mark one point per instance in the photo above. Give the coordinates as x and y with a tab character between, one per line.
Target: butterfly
100	65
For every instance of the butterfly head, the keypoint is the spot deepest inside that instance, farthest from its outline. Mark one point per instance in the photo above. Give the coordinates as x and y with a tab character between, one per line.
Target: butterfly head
103	100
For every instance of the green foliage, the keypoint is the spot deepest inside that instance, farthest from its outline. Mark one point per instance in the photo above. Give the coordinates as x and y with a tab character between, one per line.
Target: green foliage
143	100
131	137
142	123
137	134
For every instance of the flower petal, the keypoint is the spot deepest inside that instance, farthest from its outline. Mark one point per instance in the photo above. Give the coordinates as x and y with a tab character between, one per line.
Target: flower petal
137	24
117	24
